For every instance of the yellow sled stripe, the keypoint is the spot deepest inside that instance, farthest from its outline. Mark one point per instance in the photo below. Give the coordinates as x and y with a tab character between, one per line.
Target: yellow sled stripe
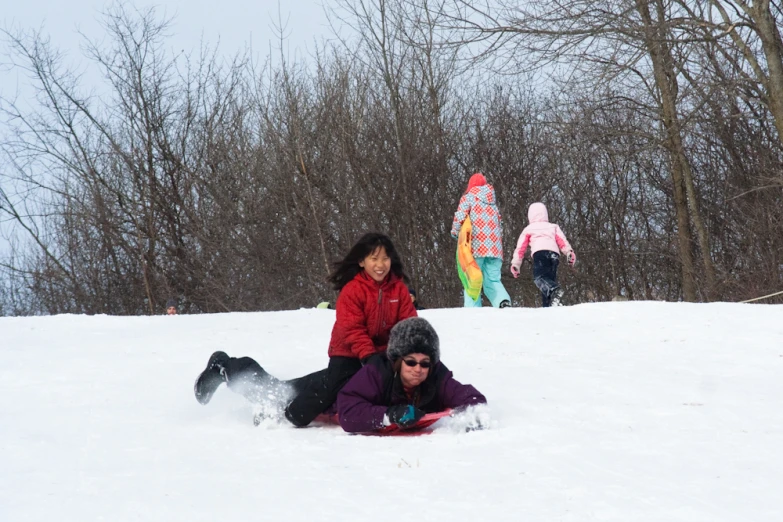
468	269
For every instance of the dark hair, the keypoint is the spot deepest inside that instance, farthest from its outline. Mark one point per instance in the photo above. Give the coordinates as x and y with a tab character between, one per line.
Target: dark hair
347	269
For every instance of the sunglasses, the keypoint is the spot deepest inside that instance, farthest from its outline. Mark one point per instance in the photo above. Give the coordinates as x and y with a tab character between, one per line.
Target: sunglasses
413	362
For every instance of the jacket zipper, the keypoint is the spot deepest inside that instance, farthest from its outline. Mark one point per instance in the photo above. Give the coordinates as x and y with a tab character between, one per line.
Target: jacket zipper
381	321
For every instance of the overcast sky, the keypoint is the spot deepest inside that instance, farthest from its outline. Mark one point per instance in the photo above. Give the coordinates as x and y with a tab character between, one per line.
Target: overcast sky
235	23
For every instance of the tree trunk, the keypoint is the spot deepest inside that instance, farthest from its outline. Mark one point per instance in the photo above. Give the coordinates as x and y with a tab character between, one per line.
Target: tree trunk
685	201
773	52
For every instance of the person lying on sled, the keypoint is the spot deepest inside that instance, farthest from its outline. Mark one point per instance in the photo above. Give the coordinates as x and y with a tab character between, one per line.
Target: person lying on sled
401	387
373	298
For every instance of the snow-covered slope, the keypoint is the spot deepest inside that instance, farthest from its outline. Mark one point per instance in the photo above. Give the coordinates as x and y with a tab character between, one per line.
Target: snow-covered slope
616	411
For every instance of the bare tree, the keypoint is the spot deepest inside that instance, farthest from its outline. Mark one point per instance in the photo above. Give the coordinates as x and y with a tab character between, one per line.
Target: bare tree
751	25
625	43
233	184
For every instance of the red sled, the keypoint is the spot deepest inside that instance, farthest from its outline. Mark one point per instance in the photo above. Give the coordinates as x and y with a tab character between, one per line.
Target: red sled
416	429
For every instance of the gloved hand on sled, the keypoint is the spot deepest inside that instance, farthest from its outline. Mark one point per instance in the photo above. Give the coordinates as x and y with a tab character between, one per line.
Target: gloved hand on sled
571	258
404	415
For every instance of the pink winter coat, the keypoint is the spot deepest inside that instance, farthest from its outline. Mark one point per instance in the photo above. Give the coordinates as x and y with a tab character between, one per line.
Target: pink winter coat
540	234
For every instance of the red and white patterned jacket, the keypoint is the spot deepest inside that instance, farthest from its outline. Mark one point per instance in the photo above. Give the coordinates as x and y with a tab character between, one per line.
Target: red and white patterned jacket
479	203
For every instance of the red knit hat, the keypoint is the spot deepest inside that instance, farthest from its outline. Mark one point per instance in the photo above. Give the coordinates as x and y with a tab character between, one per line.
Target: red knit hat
477	180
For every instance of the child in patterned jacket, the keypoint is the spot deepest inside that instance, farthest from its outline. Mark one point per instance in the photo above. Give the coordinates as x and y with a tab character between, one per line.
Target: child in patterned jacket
545	240
478	202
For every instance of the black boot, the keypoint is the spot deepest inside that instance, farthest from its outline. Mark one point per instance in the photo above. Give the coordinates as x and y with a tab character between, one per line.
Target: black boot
505	304
210	378
556	296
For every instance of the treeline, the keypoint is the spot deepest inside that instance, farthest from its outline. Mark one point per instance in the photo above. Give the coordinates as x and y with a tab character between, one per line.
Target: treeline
234	185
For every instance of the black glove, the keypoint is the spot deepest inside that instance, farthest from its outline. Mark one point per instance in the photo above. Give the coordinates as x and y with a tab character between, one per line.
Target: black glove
404	415
370	358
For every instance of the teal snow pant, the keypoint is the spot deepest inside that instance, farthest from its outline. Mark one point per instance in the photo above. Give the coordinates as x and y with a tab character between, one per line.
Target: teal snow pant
492	287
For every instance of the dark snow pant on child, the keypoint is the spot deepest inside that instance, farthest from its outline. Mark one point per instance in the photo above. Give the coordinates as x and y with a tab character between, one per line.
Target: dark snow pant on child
545	274
245	376
319	392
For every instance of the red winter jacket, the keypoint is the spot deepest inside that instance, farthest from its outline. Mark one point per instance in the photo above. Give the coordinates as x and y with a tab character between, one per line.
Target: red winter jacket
366	312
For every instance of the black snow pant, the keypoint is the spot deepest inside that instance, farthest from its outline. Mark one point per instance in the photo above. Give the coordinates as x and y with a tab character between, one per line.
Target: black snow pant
319	390
545	274
245	376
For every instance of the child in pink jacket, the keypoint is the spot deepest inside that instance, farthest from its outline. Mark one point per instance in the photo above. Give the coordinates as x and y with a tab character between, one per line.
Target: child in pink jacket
545	240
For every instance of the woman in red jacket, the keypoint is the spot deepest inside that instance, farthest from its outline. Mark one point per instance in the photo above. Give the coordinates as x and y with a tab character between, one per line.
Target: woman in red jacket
373	298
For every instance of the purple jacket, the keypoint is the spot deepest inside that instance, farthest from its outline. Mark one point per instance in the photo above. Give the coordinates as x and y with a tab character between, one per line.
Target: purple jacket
363	401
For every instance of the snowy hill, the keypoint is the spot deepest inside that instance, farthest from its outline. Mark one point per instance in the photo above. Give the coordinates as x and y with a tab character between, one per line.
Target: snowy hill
614	411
